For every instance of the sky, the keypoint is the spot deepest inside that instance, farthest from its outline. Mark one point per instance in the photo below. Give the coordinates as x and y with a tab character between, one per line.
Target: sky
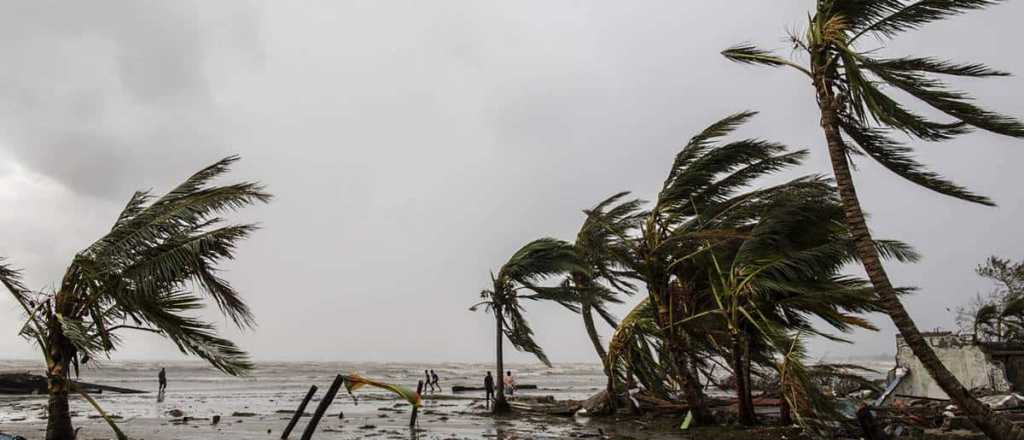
413	146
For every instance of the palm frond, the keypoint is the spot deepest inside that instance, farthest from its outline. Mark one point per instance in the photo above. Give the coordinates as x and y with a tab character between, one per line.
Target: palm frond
892	17
953	103
897	158
747	53
934	65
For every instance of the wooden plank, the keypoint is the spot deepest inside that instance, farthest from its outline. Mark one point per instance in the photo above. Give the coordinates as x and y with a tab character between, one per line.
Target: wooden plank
322	408
298	413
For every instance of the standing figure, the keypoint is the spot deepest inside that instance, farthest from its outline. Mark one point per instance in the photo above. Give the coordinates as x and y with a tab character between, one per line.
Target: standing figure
434	380
510	383
488	389
427	382
162	378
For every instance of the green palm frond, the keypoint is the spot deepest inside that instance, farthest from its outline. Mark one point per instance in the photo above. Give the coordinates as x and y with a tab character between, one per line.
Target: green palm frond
861	85
933	65
519	333
166	313
898	158
951	102
703	141
540	259
892	17
747	53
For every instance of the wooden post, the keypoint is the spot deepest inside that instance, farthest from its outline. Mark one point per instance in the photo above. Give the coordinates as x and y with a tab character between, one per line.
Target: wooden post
415	409
298	413
322	408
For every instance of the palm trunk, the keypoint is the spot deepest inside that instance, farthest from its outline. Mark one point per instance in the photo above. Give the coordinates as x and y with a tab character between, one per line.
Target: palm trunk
678	350
500	404
58	422
744	401
588	322
993	425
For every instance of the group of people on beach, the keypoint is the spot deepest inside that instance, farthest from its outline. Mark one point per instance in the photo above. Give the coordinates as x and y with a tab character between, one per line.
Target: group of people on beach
510	386
432	381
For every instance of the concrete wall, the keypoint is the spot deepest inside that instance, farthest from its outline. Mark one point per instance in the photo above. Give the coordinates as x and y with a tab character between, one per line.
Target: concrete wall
967	361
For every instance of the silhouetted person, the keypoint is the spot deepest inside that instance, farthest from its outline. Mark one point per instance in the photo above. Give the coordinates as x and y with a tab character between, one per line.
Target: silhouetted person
162	377
488	388
428	382
510	383
434	381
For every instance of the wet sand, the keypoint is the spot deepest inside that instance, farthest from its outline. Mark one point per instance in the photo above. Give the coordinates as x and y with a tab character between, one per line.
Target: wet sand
431	427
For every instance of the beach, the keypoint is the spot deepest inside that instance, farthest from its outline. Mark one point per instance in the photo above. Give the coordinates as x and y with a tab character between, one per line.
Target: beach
260	405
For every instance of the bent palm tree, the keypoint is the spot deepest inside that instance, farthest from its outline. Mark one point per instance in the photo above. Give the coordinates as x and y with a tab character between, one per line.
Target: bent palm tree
786	270
597	246
708	176
148	273
848	84
535	262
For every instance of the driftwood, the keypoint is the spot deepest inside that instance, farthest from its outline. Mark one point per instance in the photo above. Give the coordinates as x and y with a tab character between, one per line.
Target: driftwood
463	389
26	383
545	405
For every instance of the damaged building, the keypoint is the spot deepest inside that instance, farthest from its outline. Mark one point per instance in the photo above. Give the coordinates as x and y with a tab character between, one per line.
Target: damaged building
993	366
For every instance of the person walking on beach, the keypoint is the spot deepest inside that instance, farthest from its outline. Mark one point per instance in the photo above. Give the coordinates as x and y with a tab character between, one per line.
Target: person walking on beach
433	378
510	383
488	389
162	379
428	382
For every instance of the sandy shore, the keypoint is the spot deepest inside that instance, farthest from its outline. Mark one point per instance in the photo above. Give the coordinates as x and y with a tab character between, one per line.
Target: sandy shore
431	426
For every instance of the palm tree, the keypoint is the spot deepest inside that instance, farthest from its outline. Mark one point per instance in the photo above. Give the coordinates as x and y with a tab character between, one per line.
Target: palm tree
786	270
857	116
597	247
148	273
535	262
706	176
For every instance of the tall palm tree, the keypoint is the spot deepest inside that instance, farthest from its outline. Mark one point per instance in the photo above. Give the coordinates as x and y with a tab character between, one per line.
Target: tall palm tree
597	246
708	176
535	262
149	273
858	115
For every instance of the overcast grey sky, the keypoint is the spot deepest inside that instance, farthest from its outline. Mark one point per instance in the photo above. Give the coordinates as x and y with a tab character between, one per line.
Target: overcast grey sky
413	146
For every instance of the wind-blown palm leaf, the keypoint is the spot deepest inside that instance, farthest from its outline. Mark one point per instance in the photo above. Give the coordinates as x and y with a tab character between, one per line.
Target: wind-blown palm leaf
858	79
897	158
635	349
891	17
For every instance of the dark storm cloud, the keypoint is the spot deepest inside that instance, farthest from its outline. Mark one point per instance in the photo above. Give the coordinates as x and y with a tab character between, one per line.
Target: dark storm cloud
413	146
98	94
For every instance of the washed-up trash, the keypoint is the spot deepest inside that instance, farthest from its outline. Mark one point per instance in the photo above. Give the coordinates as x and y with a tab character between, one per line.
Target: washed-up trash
1003	401
10	437
687	421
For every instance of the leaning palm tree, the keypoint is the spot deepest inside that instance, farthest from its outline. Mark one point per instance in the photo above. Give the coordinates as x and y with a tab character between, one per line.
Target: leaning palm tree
535	262
785	271
707	176
597	246
149	273
858	114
